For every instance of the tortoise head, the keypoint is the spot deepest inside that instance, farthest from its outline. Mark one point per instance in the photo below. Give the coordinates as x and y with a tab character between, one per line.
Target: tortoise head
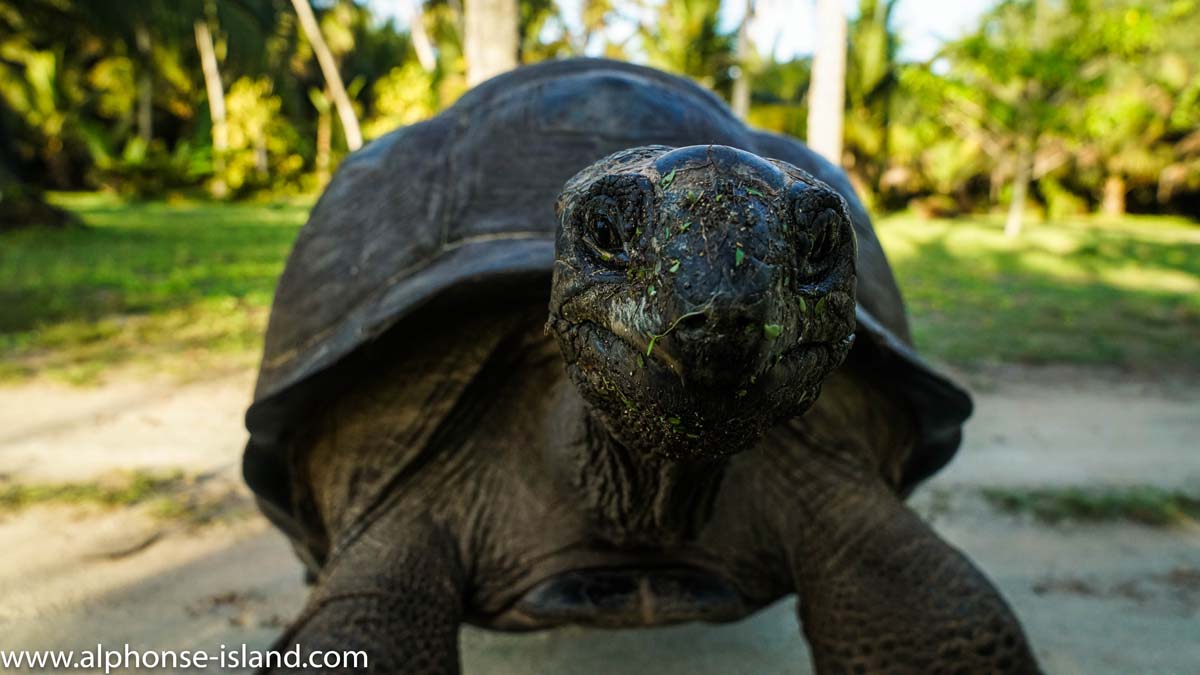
700	294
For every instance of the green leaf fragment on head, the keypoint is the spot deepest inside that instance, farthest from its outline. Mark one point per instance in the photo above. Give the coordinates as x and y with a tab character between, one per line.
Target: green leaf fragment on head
738	257
820	309
606	256
803	305
772	330
685	226
652	290
668	179
754	192
741	393
675	421
674	267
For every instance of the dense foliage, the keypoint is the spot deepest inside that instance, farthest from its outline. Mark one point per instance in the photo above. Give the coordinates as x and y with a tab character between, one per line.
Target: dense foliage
1062	105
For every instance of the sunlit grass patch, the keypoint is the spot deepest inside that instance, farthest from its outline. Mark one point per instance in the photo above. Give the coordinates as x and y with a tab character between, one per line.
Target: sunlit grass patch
125	490
1147	505
1087	291
168	495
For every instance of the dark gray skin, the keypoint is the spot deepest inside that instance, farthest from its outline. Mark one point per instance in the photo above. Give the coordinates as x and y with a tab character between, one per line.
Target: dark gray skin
667	473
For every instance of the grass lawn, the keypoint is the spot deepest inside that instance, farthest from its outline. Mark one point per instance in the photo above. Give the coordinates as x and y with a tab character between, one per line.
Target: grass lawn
186	288
179	287
1084	291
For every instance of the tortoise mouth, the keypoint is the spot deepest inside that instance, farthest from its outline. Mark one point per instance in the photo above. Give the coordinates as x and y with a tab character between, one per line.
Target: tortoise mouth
656	360
625	597
649	406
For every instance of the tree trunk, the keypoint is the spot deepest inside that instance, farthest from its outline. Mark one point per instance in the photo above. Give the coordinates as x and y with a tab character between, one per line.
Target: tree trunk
145	83
324	141
1114	196
741	84
1020	191
262	159
490	40
420	38
329	70
827	91
216	105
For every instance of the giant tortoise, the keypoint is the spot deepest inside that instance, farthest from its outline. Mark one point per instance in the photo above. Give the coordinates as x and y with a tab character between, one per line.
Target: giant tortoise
585	349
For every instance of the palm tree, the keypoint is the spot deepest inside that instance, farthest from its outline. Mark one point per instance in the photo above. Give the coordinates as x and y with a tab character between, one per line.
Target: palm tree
422	45
1023	74
145	80
248	22
685	37
827	90
136	24
871	79
329	69
216	104
490	38
740	98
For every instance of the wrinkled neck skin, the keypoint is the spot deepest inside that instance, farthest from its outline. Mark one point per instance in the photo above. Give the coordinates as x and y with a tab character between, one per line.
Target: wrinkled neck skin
634	499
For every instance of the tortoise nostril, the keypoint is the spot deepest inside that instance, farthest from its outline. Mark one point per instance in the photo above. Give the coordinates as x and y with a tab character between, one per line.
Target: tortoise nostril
702	326
819	238
823	233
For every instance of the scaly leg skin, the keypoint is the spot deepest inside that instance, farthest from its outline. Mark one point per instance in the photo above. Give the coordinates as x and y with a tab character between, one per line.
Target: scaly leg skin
395	593
880	592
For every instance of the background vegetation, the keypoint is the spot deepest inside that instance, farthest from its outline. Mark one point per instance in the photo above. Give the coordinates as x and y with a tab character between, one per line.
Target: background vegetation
1094	103
191	136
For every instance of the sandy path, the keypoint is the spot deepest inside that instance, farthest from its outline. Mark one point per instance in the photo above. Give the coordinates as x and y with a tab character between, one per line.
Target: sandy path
1095	599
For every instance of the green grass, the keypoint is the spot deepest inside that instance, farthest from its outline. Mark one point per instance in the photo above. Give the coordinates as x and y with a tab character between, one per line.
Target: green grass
168	495
182	287
186	287
1086	291
131	489
1145	504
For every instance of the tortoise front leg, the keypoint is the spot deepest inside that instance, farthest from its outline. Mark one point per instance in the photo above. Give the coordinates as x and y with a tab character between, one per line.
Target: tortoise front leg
880	592
395	594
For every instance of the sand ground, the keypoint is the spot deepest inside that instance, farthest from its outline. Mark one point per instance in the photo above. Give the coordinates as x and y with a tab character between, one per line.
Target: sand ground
1095	598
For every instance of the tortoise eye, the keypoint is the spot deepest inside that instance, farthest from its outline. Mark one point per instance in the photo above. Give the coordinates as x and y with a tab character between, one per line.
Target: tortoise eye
604	234
604	229
611	215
